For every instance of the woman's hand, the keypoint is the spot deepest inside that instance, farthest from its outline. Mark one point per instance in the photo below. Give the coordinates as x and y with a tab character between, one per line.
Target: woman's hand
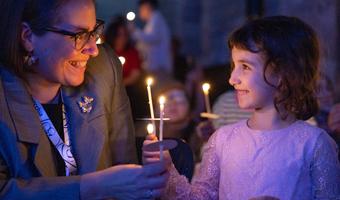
152	157
126	182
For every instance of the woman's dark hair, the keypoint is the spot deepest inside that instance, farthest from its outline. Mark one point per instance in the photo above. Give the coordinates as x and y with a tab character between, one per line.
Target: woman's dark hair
291	50
37	14
112	31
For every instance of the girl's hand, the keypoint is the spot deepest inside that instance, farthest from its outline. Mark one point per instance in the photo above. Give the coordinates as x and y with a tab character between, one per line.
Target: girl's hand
152	157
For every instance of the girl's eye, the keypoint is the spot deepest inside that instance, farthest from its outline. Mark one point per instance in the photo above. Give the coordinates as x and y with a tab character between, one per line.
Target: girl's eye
245	67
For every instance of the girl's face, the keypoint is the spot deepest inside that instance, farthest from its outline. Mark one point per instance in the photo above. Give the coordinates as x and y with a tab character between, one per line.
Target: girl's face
59	61
247	78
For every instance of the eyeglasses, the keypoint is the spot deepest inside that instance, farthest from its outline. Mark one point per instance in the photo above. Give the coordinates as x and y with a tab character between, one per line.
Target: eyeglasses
177	97
83	37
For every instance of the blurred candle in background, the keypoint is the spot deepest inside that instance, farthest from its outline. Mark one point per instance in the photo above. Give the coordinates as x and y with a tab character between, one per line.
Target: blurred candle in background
206	88
130	16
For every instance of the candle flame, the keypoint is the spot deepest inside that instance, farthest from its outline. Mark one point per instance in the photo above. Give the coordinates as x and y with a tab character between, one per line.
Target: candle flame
149	81
206	87
161	100
150	128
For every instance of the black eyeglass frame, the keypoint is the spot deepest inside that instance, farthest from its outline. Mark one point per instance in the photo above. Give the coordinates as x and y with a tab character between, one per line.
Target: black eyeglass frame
76	36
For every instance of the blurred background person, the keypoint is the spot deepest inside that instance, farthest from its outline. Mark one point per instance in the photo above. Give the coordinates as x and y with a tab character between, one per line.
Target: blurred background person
326	100
178	109
334	124
154	41
118	37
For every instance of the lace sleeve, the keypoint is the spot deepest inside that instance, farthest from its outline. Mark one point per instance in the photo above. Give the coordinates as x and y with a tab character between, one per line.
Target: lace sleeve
325	169
204	185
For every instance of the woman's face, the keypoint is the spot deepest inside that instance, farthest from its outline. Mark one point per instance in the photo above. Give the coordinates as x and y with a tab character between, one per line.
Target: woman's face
59	61
122	38
177	106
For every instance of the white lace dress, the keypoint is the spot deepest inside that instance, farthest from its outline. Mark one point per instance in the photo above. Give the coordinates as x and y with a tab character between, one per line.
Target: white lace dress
298	162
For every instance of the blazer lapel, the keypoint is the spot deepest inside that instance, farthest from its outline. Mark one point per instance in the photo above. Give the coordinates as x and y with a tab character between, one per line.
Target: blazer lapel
26	121
86	141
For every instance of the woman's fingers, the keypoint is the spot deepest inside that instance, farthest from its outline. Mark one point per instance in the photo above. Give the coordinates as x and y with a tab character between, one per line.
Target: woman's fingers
159	181
154	169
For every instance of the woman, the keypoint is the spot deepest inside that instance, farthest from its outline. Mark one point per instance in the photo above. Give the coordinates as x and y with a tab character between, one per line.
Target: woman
65	119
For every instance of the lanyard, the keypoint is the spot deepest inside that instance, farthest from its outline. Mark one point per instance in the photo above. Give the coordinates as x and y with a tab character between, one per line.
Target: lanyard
64	149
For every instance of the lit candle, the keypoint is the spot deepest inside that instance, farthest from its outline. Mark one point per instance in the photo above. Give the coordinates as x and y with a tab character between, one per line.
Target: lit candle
152	114
206	87
150	128
130	16
161	115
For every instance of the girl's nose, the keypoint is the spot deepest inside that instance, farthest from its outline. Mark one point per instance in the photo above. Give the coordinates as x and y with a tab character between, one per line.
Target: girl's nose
234	78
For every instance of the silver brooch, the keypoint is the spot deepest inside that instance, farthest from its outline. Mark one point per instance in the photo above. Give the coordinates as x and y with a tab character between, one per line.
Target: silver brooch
85	104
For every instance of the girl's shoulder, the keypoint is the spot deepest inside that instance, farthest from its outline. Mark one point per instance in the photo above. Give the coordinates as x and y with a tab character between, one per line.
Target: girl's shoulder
311	134
305	129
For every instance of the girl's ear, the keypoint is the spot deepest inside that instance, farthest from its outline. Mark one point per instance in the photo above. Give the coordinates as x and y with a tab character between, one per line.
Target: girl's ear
26	37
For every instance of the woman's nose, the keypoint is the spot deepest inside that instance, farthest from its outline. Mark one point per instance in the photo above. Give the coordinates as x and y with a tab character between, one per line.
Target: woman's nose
91	48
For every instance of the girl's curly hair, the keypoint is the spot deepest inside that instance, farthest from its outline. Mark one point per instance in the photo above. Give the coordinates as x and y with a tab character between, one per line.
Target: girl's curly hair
291	49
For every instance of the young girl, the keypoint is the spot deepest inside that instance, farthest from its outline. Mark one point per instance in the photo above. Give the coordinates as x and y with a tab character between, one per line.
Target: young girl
273	154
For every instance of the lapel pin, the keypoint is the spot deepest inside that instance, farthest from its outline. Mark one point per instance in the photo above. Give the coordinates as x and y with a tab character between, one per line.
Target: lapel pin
85	104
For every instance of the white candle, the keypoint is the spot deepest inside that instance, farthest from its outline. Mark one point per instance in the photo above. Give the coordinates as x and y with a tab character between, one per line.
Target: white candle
130	16
206	87
149	82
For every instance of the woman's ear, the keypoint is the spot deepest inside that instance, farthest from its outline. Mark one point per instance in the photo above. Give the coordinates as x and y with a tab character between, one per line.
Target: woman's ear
26	37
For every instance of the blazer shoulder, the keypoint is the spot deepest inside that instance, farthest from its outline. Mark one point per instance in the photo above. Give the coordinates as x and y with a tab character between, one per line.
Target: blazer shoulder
105	66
